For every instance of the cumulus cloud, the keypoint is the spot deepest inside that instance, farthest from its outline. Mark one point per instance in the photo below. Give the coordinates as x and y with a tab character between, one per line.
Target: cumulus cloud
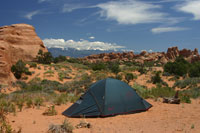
92	37
31	14
81	45
133	12
167	29
72	7
190	6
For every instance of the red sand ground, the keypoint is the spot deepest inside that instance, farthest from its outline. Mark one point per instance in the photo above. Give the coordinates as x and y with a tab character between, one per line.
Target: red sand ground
161	118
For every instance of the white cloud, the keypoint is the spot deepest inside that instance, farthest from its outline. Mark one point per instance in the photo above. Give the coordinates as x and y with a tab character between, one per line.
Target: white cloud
81	45
72	7
31	14
167	29
92	37
134	12
190	6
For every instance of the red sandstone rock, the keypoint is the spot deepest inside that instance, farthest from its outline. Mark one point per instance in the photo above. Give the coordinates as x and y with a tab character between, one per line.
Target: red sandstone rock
18	41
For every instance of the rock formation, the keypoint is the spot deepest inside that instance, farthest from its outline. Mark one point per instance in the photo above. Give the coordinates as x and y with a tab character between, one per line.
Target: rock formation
18	41
162	57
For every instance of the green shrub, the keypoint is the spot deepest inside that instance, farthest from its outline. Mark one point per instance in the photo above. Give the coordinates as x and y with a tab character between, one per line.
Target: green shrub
44	58
114	67
61	99
38	101
60	58
19	68
194	70
32	64
156	78
154	92
191	82
20	104
50	111
129	77
98	66
185	99
119	76
73	60
29	103
66	127
7	106
142	70
179	67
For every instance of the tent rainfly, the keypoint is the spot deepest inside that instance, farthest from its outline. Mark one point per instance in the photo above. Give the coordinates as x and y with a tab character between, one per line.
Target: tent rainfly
105	98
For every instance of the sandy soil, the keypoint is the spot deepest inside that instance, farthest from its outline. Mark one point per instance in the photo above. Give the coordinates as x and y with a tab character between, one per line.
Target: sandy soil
166	118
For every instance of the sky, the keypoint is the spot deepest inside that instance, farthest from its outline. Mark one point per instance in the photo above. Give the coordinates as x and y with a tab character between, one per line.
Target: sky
152	25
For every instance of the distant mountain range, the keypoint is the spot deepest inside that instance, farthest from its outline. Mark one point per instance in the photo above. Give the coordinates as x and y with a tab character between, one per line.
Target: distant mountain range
76	53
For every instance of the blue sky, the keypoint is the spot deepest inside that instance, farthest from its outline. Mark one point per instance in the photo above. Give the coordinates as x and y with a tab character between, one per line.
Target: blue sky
109	24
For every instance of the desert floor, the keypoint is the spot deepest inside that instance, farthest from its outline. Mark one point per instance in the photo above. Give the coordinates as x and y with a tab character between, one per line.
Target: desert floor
161	118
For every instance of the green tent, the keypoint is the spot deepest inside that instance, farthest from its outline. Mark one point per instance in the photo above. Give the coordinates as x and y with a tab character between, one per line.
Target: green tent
107	97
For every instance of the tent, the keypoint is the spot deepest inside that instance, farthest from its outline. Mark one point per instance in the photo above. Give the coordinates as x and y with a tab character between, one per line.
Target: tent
105	98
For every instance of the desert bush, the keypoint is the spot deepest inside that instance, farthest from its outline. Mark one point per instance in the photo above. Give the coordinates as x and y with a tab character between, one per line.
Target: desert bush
66	127
156	92
114	67
60	58
142	70
119	76
6	106
156	78
20	103
38	102
129	77
32	64
192	93
194	70
50	111
185	99
44	58
191	82
98	66
73	60
179	67
61	99
142	91
29	102
19	68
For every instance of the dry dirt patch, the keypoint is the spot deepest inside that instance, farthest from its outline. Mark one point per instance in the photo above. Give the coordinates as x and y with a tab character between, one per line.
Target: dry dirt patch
167	118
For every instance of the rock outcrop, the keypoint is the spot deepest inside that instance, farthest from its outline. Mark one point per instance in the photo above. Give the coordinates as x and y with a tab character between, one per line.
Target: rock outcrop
18	41
162	57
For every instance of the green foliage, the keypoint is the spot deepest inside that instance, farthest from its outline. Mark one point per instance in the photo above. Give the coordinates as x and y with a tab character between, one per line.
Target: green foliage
142	70
185	99
32	64
29	102
7	106
179	67
154	92
98	66
129	77
61	99
20	103
188	82
50	111
114	67
66	127
60	58
19	68
156	78
38	101
119	76
44	58
194	70
73	60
